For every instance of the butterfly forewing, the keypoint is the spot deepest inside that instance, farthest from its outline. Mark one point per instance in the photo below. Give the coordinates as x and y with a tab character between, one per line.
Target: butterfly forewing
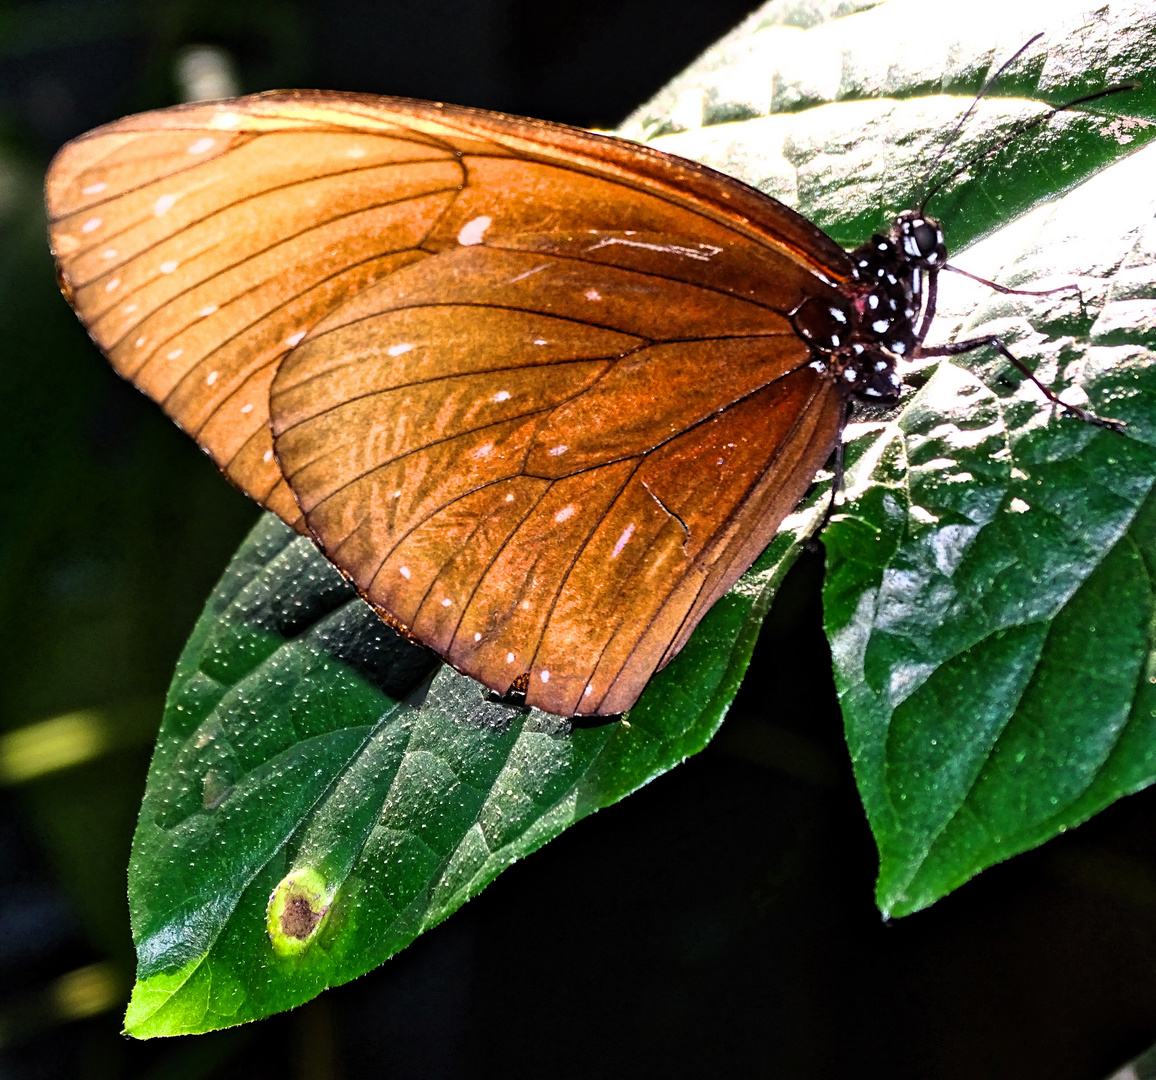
536	392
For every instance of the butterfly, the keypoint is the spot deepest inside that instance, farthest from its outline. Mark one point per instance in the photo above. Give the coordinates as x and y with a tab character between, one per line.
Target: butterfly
541	394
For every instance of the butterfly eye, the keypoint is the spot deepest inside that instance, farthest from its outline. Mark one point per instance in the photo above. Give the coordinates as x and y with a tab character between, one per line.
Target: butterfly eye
921	239
926	238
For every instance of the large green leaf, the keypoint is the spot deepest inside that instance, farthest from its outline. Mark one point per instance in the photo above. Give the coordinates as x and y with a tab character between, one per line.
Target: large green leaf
990	592
310	752
988	597
316	801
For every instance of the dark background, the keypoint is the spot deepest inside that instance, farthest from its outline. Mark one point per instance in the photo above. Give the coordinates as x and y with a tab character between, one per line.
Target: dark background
720	922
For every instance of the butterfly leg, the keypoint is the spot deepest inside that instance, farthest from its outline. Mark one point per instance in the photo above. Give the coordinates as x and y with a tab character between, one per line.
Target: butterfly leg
1012	292
928	308
957	347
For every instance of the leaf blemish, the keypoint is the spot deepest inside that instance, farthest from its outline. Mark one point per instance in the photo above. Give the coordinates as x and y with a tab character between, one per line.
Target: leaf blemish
297	908
299	920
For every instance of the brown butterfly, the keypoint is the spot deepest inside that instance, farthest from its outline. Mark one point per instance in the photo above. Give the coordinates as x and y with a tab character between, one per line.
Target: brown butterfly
542	395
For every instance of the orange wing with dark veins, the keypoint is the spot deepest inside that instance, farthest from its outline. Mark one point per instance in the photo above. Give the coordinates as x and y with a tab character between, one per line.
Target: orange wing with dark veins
541	462
535	391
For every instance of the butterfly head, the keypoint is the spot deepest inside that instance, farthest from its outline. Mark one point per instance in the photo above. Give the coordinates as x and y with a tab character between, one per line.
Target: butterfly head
920	240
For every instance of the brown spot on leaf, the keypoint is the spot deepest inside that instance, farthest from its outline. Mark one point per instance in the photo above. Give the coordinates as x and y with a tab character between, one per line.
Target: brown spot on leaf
299	920
296	911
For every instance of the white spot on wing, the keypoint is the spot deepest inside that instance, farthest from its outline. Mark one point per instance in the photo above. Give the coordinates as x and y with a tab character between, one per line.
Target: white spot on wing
109	253
201	145
168	266
1018	506
509	498
540	341
502	395
447	602
509	658
472	231
93	189
477	637
483	450
294	339
174	354
112	285
355	152
91	224
164	204
623	540
225	120
246	408
207	310
404	571
593	294
267	456
557	450
212	377
564	513
545	676
397	350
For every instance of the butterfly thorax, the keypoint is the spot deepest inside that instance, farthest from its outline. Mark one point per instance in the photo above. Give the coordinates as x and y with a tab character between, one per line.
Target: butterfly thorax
861	335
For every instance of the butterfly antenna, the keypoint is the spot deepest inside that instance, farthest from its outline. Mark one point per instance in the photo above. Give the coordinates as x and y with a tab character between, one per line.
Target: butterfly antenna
1023	129
920	202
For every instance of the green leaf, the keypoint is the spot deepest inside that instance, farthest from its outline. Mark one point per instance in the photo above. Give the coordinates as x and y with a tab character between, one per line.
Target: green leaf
988	598
320	795
323	791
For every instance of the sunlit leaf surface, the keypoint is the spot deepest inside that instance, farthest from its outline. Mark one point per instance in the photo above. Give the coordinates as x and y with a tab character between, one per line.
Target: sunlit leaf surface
989	596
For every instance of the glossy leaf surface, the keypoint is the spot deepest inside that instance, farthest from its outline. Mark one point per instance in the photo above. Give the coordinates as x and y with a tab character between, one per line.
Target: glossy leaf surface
303	738
989	597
